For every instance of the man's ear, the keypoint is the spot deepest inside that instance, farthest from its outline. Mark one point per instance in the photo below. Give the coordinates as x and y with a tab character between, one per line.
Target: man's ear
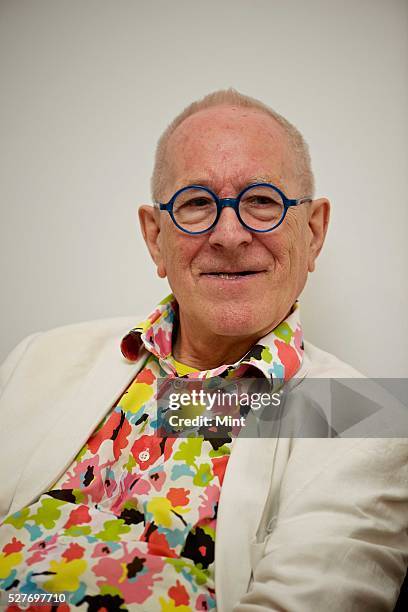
149	219
319	215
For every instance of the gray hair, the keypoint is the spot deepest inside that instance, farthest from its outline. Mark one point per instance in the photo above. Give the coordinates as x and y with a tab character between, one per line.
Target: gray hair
232	97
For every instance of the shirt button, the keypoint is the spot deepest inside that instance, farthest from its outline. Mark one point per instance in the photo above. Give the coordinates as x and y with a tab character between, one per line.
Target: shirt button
144	455
179	384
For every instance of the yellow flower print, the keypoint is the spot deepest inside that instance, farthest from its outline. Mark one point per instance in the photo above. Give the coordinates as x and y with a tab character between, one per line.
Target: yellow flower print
66	575
170	606
138	394
164	512
8	562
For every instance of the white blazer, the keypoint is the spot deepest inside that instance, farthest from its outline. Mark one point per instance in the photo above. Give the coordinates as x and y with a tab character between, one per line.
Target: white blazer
303	524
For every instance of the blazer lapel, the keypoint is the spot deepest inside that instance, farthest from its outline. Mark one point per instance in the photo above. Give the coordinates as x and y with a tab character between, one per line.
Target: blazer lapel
243	497
79	416
248	503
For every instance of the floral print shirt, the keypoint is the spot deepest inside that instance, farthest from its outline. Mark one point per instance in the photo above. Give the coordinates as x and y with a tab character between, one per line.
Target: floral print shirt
132	522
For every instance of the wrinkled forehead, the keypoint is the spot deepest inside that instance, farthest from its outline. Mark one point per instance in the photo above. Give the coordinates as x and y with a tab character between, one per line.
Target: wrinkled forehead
229	146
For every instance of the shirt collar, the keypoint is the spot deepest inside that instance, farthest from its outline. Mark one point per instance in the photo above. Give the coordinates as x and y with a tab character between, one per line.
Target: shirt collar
278	355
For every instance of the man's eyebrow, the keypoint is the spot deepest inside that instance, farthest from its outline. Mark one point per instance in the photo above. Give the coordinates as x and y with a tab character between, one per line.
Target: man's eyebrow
200	181
241	184
260	179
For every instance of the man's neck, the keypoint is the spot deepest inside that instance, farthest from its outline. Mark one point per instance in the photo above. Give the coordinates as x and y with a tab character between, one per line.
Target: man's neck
205	351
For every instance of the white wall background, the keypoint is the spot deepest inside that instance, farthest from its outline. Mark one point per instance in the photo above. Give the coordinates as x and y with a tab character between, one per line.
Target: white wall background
87	86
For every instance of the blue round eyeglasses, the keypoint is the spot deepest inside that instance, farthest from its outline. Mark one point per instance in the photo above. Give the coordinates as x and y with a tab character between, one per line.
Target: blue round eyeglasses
260	207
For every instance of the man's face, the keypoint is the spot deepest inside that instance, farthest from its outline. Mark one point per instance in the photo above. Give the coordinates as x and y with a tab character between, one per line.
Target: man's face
226	148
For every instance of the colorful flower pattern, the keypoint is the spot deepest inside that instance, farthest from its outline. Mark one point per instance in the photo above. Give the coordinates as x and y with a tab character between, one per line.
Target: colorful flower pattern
132	522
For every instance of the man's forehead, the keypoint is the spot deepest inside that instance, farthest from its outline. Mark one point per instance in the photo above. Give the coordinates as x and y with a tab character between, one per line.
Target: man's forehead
211	121
243	145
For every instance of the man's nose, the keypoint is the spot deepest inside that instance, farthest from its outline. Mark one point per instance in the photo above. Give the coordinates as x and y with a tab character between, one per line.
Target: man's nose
229	232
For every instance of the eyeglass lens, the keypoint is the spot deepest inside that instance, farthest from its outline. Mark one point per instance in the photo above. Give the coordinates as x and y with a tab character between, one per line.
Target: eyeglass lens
260	208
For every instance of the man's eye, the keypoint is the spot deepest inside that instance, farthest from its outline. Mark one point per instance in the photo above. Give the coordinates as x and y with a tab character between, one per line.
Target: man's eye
260	201
198	202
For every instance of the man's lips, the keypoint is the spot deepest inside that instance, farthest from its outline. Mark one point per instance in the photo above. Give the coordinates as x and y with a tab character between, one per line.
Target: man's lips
231	274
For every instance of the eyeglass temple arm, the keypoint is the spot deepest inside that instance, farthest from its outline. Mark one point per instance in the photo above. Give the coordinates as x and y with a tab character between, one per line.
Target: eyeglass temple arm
299	201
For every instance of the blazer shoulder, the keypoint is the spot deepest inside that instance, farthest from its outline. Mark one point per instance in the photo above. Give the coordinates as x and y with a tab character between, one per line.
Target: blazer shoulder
65	347
102	326
321	364
10	363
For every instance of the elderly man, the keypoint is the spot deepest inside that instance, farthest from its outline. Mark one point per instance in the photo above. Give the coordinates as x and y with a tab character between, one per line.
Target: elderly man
103	510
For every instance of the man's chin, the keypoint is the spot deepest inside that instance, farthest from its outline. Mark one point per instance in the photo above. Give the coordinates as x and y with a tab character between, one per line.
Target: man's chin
233	320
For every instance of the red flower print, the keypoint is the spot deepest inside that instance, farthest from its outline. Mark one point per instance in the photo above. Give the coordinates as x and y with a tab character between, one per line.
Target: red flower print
158	545
13	546
219	467
178	497
145	376
78	516
104	433
146	450
74	551
288	357
120	441
168	448
179	595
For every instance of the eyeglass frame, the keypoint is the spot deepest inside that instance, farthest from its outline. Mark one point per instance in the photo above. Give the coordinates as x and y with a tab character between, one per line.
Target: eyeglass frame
234	204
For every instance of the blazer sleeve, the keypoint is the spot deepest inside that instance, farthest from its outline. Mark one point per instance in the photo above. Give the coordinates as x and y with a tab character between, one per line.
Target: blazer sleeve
12	360
339	541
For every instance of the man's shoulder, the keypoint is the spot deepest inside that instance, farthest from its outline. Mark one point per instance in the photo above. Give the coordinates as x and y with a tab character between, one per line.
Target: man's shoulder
321	364
103	328
352	404
84	335
74	346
